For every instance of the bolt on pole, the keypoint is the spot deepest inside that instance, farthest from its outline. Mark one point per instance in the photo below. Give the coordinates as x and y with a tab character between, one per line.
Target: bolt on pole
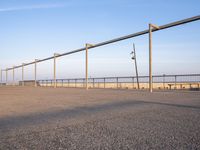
150	56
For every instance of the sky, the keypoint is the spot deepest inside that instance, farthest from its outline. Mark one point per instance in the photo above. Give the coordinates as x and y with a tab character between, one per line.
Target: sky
35	29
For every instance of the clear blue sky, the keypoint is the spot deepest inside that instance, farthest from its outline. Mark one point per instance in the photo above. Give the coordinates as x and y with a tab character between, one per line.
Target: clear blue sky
37	28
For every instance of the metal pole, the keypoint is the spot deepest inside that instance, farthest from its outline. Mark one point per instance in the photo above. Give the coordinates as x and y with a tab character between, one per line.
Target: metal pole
104	80
54	71
117	83
86	67
138	85
175	82
164	81
23	74
173	24
6	76
1	77
36	72
87	46
55	55
13	75
150	55
150	59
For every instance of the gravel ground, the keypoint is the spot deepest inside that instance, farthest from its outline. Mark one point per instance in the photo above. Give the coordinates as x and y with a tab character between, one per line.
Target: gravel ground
47	118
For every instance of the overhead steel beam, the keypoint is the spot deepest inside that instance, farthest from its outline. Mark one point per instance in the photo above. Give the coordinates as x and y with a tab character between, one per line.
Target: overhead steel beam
184	21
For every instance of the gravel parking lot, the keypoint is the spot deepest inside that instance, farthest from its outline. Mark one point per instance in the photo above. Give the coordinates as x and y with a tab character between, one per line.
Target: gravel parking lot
69	118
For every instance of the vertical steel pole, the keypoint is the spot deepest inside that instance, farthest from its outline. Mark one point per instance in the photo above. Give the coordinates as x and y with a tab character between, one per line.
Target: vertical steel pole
35	72
175	82
86	66
150	55
164	81
13	75
136	70
150	59
104	80
1	77
23	74
6	76
54	70
93	83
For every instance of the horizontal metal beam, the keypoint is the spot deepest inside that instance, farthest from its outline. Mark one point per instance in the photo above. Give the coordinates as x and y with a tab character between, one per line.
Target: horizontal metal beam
184	21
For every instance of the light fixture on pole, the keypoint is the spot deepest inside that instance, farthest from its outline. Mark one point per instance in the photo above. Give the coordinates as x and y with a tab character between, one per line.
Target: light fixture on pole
133	57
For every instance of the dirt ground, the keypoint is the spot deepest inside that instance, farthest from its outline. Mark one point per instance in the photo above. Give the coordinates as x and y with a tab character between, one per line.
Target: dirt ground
73	118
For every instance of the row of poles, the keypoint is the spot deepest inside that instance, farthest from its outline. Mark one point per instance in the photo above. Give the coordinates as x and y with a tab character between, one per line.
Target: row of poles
35	70
151	29
56	55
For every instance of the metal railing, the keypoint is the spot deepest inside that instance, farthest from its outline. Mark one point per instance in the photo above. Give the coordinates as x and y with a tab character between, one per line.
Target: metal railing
152	28
184	81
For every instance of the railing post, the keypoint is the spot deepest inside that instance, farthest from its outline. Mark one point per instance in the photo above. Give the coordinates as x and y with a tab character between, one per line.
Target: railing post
104	80
175	82
117	82
133	81
164	81
93	83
